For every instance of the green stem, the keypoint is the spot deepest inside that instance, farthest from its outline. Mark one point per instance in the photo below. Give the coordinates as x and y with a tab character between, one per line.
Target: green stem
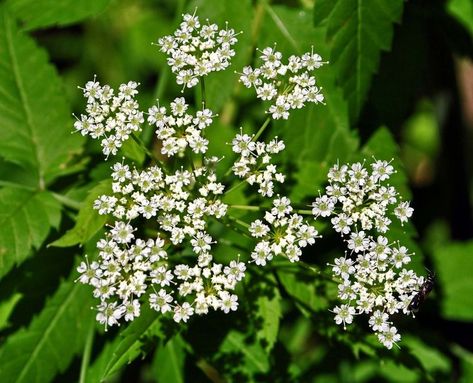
142	145
258	208
87	352
234	187
261	130
66	201
202	92
245	207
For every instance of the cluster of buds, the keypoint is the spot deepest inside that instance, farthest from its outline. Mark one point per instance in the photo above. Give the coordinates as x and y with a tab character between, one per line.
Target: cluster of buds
283	233
197	49
180	129
372	276
287	86
111	118
254	163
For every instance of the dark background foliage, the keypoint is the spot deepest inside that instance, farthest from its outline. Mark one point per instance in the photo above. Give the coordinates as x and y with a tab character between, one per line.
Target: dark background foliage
399	85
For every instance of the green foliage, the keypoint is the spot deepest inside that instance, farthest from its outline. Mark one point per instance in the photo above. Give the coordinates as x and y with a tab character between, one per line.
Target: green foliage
283	330
127	346
168	363
357	32
36	14
34	116
453	264
46	347
26	218
88	221
269	310
463	11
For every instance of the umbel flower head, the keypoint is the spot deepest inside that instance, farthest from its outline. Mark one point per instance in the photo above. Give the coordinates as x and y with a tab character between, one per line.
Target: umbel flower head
110	117
197	49
287	85
373	278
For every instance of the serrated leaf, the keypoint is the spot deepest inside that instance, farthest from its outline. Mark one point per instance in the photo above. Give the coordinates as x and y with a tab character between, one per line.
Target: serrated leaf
88	222
127	346
35	121
25	220
37	14
36	354
168	363
269	310
453	265
357	31
255	360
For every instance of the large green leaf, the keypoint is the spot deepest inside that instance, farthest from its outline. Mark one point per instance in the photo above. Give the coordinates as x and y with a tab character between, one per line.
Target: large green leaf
168	363
49	13
35	121
25	220
453	264
127	346
88	221
36	354
357	32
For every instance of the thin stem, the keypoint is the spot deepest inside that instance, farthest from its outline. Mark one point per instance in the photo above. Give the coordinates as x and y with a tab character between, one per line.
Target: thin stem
202	91
245	207
258	208
142	145
261	130
234	187
87	352
66	201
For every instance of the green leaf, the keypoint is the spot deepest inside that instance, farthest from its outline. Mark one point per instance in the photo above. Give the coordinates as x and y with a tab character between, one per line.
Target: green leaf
357	31
255	360
132	150
168	363
25	220
53	338
35	121
453	265
89	221
6	308
462	10
127	346
239	14
269	309
37	14
304	291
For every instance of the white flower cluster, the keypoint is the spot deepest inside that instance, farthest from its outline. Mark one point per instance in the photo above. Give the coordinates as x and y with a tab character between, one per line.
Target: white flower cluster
197	49
130	267
287	86
365	200
111	118
373	278
283	233
254	163
180	129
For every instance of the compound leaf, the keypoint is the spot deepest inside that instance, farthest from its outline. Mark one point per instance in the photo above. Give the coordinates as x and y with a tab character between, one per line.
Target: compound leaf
357	32
35	122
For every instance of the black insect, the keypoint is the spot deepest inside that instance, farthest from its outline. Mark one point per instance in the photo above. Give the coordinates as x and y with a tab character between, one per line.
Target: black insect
425	289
